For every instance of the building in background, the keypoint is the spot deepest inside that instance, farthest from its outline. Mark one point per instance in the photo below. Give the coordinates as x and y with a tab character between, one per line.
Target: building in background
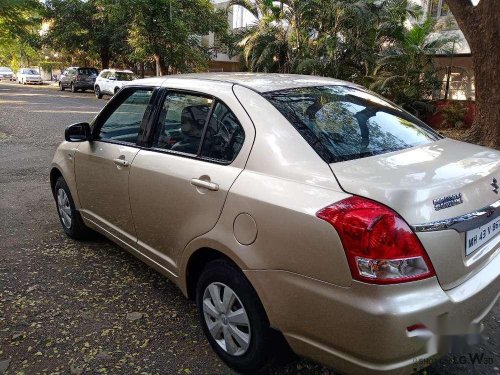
455	70
238	18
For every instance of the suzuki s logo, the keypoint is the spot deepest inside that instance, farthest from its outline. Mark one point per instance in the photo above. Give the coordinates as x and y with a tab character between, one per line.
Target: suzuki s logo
494	184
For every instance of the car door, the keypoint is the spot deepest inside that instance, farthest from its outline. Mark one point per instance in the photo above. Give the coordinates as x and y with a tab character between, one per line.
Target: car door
101	81
102	166
178	187
110	84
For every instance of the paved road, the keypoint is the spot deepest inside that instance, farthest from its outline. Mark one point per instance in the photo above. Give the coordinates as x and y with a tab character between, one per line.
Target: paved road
64	304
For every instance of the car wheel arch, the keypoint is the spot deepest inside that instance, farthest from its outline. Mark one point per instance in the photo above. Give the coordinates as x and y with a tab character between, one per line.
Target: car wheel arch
195	264
55	173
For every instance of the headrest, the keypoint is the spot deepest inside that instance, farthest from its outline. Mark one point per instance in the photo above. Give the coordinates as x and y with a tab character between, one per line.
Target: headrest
193	119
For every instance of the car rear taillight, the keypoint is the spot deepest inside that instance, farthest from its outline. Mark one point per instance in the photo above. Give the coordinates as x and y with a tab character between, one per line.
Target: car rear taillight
379	245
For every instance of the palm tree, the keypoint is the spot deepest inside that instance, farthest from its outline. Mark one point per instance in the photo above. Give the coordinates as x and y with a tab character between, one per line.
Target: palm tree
405	72
347	35
266	43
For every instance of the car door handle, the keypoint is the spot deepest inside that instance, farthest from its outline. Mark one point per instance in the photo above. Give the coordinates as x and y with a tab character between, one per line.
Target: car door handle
121	162
205	184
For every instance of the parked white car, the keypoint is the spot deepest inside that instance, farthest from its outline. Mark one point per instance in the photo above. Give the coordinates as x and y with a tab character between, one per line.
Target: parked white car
111	80
6	73
28	75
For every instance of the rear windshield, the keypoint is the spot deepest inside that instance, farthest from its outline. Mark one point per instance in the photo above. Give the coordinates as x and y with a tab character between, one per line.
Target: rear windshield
87	71
344	123
124	76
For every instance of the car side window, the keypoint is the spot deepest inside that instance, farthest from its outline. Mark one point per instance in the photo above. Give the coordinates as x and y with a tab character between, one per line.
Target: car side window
182	119
224	135
104	75
124	123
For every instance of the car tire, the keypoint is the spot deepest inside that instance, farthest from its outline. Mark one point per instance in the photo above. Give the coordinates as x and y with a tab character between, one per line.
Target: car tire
72	87
69	216
61	86
98	93
264	345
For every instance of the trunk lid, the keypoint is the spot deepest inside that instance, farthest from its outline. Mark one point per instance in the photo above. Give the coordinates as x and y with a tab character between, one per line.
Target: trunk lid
416	181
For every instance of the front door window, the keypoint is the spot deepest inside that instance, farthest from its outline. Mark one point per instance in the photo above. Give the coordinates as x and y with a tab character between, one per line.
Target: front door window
124	123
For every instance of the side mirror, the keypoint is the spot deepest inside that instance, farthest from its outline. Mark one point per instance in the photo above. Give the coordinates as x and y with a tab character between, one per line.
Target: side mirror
78	132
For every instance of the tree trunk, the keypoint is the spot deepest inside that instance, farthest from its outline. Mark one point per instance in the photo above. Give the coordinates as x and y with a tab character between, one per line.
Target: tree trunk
105	57
161	69
141	69
481	28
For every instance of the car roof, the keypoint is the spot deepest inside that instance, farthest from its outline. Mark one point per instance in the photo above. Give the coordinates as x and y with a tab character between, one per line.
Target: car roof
118	71
260	82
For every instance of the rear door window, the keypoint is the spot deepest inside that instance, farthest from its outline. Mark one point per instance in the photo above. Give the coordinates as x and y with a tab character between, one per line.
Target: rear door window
343	123
124	76
181	122
224	136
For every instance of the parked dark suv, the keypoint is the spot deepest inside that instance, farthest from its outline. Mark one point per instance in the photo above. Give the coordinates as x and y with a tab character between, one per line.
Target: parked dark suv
78	78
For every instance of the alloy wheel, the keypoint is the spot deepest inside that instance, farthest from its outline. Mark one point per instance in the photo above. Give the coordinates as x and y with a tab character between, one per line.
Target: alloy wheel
64	208
226	319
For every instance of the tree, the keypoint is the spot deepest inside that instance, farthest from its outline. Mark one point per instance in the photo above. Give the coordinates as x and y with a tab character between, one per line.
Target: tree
405	72
19	25
170	32
266	43
481	27
93	29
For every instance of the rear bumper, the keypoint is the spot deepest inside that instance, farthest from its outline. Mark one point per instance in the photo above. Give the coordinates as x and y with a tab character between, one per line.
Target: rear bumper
84	85
363	328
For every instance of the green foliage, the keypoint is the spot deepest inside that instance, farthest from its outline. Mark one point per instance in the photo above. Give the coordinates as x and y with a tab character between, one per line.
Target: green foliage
170	32
19	25
405	72
87	30
453	114
364	41
17	19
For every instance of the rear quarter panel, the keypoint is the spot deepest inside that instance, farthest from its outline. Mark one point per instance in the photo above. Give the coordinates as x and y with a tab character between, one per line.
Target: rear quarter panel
282	187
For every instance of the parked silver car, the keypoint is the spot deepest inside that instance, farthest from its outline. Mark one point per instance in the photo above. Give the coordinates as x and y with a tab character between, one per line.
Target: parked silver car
7	74
296	211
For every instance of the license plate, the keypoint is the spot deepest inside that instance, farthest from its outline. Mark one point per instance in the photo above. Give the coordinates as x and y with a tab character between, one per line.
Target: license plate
475	238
